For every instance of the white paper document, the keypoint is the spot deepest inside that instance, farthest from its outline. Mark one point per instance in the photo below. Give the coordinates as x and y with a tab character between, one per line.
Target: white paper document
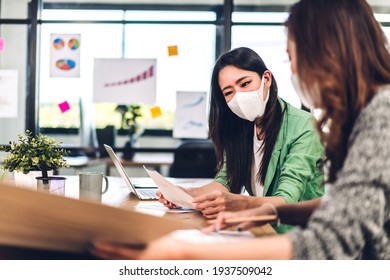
161	207
8	93
196	236
171	192
191	115
125	80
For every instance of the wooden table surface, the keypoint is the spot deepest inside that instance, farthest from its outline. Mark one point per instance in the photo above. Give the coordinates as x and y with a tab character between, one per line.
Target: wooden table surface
118	196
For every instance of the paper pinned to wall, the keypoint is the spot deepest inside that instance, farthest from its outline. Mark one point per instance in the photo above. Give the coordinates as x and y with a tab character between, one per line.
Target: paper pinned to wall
8	93
124	81
191	115
65	55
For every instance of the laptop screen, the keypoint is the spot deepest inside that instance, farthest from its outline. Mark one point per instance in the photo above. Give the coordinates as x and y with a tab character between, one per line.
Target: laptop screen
120	168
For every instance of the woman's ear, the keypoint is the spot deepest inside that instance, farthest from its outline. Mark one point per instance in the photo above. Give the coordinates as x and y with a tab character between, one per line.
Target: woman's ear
268	78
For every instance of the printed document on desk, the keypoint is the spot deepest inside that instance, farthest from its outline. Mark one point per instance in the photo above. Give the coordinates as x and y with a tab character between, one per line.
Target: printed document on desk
196	236
171	192
159	206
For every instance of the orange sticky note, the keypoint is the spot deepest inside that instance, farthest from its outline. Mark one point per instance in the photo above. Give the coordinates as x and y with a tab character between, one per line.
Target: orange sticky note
172	50
156	111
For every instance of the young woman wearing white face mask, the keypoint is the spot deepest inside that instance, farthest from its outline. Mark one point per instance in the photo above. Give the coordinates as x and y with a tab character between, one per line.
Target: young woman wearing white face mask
262	143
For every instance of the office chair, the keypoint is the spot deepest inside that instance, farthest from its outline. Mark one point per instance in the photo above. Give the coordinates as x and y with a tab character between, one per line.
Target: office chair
194	159
105	136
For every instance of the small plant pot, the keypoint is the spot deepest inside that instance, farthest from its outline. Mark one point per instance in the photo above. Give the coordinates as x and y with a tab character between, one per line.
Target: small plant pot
28	180
51	184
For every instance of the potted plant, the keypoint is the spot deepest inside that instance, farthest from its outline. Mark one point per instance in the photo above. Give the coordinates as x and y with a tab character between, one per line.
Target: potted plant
130	114
38	155
3	173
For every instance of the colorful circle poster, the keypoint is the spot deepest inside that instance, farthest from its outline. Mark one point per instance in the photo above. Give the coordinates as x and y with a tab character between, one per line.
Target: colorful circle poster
65	55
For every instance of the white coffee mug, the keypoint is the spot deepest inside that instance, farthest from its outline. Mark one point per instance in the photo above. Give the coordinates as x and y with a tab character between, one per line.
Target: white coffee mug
91	185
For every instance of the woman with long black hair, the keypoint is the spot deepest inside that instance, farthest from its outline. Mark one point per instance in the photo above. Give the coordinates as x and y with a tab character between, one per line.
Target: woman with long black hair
262	143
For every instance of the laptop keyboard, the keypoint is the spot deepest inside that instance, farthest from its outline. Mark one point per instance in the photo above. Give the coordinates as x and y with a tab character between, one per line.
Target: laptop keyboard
147	194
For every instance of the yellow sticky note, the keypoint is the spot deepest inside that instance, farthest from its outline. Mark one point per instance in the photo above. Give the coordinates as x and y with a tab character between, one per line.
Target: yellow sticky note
172	50
156	111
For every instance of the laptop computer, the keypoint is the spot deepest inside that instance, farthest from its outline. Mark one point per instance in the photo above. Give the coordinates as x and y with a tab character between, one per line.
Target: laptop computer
143	193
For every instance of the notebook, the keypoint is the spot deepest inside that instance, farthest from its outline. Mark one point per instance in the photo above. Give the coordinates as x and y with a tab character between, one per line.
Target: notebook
143	193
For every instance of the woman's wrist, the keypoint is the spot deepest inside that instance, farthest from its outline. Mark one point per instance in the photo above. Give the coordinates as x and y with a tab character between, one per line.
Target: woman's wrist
275	211
252	201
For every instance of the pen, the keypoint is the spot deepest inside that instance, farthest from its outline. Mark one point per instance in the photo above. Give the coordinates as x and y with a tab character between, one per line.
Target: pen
264	218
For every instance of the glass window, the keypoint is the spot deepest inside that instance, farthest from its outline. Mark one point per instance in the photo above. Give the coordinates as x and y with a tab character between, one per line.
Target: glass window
169	16
96	40
149	2
270	42
14	58
259	17
382	17
11	9
82	15
258	26
189	70
387	32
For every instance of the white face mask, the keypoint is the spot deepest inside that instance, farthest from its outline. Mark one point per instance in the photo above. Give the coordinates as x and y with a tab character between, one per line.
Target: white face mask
249	105
305	95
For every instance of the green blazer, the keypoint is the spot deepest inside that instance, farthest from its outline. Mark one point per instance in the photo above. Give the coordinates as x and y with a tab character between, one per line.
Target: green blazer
293	171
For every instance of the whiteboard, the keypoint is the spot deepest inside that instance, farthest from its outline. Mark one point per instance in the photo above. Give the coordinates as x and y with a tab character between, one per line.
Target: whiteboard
124	80
191	115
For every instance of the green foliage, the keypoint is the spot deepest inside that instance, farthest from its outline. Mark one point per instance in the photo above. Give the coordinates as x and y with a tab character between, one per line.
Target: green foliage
3	173
39	153
51	116
130	114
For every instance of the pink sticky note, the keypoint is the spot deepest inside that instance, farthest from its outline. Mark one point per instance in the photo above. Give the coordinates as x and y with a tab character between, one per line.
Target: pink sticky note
1	44
64	106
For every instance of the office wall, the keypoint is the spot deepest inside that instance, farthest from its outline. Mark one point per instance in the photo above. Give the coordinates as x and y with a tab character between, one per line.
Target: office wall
14	56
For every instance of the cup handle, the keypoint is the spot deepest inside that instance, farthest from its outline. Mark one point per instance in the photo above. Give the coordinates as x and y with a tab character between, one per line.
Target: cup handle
106	185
